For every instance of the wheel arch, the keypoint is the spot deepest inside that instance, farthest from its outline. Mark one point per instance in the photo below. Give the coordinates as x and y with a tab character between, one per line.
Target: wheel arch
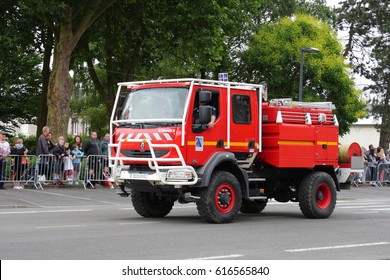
227	162
330	170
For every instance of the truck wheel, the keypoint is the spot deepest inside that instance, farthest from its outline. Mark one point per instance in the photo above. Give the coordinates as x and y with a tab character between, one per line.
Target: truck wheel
252	206
221	200
317	195
149	205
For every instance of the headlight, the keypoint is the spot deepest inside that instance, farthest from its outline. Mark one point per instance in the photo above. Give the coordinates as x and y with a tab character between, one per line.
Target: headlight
181	175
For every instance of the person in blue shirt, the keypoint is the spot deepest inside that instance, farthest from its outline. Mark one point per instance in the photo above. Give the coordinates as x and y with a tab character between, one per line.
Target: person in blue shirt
77	156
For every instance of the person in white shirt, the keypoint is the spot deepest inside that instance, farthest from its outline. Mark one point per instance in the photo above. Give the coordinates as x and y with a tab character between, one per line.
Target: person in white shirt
4	152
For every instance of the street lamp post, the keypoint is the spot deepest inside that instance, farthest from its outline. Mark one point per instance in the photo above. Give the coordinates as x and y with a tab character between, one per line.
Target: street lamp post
304	50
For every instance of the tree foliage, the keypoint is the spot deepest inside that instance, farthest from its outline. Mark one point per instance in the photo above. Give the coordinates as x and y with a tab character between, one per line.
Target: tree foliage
273	56
68	21
368	48
105	42
19	74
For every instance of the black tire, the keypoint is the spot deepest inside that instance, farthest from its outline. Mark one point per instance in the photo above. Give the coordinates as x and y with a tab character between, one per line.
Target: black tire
221	200
317	195
252	206
149	205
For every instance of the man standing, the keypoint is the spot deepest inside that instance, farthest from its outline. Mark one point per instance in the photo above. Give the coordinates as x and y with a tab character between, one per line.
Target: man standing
104	152
92	151
43	146
4	152
43	151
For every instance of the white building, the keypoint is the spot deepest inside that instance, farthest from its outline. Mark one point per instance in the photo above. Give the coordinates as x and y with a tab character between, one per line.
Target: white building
364	133
76	126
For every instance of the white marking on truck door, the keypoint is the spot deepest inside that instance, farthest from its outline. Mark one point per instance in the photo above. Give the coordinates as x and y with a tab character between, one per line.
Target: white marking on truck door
157	136
168	136
120	136
147	136
138	136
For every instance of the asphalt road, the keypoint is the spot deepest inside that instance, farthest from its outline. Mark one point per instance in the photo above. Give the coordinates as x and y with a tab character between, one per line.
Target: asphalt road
69	224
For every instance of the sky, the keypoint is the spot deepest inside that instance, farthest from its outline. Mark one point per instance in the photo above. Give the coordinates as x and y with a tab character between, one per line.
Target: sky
332	2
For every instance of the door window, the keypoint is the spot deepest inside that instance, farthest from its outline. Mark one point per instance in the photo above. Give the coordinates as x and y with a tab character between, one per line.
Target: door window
241	109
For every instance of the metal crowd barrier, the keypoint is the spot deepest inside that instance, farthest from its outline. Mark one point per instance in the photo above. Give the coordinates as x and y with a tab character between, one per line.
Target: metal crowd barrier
44	170
61	171
21	171
371	172
97	171
382	174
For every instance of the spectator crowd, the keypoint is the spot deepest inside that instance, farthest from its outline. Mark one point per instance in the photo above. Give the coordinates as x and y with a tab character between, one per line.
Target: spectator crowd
61	161
374	158
58	161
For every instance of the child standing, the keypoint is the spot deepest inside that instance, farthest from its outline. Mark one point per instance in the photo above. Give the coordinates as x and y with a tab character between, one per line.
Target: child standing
68	164
20	161
60	153
77	155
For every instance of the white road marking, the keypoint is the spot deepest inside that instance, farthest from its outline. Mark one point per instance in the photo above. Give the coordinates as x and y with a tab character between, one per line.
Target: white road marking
54	227
363	206
358	203
32	203
64	195
337	247
368	212
218	257
174	207
137	223
45	211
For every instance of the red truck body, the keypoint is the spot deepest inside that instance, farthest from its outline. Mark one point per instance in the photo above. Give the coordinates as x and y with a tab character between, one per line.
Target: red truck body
256	150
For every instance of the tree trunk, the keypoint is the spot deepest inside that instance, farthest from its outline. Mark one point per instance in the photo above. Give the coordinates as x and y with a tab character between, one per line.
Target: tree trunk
47	42
74	22
60	84
203	73
384	138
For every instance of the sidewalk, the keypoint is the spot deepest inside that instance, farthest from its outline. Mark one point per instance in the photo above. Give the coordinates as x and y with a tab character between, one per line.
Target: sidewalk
51	185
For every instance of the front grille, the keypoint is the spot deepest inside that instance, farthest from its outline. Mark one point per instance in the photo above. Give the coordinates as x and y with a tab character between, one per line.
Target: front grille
144	154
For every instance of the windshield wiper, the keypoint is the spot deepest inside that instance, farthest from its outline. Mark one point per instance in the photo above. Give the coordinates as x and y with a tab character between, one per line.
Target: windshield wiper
132	125
162	123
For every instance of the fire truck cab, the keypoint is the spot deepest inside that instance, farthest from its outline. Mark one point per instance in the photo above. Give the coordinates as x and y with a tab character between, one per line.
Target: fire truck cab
223	146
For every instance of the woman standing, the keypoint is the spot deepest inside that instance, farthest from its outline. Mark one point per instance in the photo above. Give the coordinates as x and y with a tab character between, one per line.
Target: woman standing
77	141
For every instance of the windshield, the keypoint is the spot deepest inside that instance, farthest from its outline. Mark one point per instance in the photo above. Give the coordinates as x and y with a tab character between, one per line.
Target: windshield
155	104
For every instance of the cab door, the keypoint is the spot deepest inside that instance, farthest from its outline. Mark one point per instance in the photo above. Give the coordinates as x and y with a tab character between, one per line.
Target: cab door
244	126
203	144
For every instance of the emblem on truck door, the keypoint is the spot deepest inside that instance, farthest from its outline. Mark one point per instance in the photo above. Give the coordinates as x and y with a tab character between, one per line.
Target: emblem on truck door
199	143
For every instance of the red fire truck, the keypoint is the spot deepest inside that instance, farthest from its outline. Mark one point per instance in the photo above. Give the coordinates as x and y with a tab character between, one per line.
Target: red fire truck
223	146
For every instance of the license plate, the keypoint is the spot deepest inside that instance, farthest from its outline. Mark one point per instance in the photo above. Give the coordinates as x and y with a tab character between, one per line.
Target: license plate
138	176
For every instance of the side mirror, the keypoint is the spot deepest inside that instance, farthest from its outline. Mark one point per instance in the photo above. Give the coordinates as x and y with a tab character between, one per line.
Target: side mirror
118	113
204	114
205	96
121	100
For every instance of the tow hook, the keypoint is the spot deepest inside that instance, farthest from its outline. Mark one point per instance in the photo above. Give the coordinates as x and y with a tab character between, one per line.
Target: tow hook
188	197
121	192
